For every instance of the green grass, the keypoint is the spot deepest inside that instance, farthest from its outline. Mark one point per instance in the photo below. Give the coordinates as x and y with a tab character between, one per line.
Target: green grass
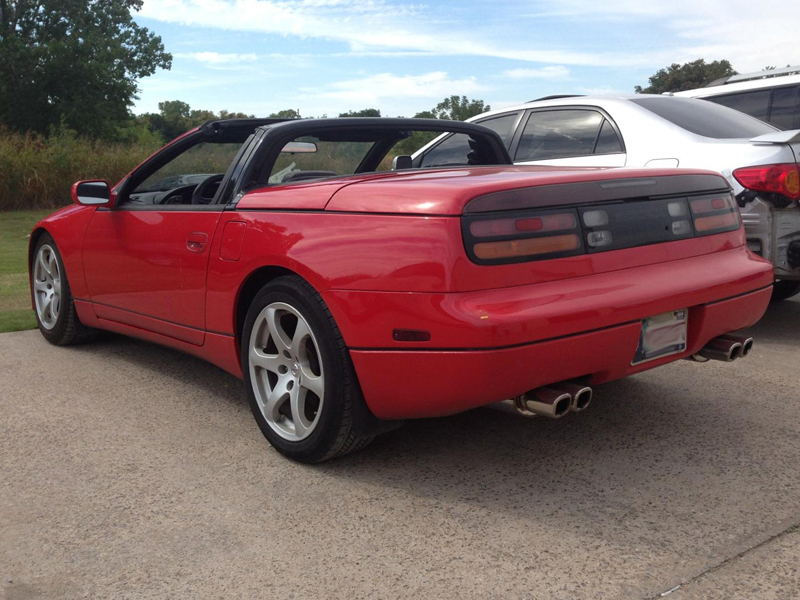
15	299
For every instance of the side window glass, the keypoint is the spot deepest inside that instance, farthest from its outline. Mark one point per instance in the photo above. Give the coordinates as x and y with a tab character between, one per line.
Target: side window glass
174	182
755	104
784	107
608	141
502	125
452	151
559	134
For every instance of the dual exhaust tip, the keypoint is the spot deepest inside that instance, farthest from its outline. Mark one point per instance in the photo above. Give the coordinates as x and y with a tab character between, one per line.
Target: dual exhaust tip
725	348
556	400
553	401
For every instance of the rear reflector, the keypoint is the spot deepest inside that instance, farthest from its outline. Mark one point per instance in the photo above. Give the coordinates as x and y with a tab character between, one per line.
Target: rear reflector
411	335
783	179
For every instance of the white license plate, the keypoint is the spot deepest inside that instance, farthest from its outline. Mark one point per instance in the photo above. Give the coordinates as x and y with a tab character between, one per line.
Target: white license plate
662	335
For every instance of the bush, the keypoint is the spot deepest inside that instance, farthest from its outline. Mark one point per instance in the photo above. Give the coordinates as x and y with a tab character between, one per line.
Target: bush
38	171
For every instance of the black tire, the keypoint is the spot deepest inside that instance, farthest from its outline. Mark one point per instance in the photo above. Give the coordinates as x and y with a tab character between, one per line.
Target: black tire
334	434
783	290
68	328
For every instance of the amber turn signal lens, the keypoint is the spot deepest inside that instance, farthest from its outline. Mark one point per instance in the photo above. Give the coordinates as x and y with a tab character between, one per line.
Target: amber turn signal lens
715	222
527	247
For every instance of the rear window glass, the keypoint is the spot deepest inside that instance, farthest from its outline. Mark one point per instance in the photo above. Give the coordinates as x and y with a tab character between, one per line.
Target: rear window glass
704	118
755	104
784	111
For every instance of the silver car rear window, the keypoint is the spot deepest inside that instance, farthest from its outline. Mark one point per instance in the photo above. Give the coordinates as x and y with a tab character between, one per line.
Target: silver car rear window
704	118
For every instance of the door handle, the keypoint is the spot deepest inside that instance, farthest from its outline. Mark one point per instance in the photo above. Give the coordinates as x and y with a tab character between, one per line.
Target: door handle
196	242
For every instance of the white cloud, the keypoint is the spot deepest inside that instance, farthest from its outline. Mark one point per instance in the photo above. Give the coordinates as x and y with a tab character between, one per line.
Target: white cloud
603	90
215	58
372	89
550	72
367	26
710	29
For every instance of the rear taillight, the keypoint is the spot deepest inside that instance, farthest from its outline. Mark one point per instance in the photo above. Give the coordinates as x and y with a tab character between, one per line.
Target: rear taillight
521	236
517	237
714	214
781	179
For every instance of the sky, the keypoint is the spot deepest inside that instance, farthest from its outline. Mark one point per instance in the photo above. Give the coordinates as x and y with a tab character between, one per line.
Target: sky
324	57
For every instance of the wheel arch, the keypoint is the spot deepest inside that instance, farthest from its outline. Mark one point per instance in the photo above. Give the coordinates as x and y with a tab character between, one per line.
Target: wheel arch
36	235
250	286
365	422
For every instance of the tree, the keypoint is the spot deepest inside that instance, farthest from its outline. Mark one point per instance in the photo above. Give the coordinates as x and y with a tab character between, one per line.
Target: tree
459	109
175	117
676	78
73	62
288	113
364	112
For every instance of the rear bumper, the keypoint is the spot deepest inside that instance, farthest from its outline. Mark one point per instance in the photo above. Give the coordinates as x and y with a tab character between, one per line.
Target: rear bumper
419	383
495	344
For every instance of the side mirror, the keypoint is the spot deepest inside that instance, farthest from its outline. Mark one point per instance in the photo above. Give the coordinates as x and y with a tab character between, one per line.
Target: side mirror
96	192
299	148
402	162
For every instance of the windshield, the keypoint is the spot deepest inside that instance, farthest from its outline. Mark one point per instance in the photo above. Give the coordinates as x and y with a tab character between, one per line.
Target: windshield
704	118
192	167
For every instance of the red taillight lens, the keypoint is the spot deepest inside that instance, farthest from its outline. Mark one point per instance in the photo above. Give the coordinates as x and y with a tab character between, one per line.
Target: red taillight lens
777	179
540	224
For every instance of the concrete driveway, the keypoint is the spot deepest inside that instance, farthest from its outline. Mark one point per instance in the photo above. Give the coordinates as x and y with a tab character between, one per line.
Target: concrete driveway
131	471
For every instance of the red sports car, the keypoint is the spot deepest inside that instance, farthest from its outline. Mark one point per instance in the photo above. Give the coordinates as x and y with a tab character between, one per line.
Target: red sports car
351	291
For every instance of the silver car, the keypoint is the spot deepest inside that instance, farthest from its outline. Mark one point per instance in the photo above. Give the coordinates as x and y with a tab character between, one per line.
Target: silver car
758	160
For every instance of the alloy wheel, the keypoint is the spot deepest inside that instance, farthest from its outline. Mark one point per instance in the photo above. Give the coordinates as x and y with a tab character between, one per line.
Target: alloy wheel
286	371
47	286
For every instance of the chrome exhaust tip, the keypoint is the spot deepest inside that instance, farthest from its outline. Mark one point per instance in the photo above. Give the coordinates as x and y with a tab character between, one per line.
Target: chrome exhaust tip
513	406
581	395
722	349
548	402
746	342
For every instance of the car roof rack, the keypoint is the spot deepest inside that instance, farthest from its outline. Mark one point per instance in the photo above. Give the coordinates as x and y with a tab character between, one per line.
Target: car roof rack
755	75
558	97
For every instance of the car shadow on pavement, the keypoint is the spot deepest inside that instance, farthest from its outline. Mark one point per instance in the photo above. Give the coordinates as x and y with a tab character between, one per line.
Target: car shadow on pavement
780	324
666	431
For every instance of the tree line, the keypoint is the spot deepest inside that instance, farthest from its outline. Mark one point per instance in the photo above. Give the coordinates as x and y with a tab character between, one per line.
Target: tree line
74	65
175	117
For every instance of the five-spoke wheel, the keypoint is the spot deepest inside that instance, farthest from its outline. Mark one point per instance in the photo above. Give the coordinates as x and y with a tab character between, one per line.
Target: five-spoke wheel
286	371
299	379
55	310
47	286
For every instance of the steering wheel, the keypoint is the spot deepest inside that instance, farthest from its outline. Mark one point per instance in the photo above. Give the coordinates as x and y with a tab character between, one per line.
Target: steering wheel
198	196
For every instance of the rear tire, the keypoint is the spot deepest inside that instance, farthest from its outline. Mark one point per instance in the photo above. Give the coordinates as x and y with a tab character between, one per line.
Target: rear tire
298	376
783	290
54	306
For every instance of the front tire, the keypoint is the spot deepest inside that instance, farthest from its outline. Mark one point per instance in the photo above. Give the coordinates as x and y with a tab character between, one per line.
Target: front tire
298	376
783	290
54	306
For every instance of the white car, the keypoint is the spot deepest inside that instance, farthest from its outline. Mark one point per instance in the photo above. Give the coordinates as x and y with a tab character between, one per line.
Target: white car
759	161
771	96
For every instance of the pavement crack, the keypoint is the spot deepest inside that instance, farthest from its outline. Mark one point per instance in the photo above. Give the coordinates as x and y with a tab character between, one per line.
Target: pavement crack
788	531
